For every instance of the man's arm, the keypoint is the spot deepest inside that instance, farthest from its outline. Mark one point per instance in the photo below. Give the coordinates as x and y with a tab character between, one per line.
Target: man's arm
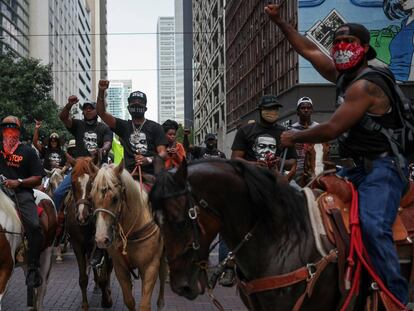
302	45
361	97
36	136
30	182
100	104
64	115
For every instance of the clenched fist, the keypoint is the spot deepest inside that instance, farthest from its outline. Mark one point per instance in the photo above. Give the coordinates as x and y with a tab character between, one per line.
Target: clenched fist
103	84
73	99
273	10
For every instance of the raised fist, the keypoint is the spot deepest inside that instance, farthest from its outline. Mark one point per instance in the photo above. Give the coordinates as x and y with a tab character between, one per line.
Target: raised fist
73	99
103	84
38	124
273	10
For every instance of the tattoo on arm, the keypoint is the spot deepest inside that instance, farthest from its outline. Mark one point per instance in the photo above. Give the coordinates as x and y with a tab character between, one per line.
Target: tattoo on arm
374	90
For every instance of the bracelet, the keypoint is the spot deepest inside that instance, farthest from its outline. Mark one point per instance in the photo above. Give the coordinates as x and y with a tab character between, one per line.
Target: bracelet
149	160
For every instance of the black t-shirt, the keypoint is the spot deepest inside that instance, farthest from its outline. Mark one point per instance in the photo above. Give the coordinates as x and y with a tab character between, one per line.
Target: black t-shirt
205	153
53	155
23	163
143	140
89	137
257	140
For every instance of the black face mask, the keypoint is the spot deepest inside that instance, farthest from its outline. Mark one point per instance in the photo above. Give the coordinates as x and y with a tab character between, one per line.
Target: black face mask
210	145
137	111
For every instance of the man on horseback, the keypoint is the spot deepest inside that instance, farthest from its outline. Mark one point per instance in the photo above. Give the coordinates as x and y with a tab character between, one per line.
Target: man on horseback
210	151
141	138
372	166
259	142
23	171
92	138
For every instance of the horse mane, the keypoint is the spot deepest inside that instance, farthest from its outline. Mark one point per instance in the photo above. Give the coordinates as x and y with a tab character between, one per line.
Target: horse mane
106	176
82	165
8	207
277	205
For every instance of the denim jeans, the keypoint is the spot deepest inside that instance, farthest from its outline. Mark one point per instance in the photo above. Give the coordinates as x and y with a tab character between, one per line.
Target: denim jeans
380	193
62	190
223	250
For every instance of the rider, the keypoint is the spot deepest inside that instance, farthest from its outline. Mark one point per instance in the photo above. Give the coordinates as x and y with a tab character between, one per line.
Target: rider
53	155
141	138
259	142
92	138
210	151
23	171
374	169
175	150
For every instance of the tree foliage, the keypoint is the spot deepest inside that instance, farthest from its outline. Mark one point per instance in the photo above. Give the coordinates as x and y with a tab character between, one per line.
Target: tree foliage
25	91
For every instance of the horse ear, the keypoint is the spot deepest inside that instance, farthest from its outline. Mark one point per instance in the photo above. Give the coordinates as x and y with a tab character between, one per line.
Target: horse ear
93	167
48	173
95	159
181	174
64	169
120	168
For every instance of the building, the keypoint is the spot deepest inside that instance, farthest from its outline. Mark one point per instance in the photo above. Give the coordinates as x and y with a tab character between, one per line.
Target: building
209	64
127	89
166	68
260	61
99	51
115	100
184	63
14	27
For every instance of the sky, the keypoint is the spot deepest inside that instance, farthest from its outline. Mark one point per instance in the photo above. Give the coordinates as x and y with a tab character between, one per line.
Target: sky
134	56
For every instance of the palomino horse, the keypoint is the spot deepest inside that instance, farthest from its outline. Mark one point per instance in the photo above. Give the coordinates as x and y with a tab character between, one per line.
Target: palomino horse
81	229
125	227
262	220
55	177
11	239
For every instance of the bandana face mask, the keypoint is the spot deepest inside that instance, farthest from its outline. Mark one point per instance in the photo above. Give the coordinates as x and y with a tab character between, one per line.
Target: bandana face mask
137	111
347	55
11	141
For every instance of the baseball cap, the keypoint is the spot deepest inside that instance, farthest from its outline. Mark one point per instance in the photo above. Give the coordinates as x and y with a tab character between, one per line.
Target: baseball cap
86	104
303	100
269	101
138	95
72	143
54	135
209	136
359	31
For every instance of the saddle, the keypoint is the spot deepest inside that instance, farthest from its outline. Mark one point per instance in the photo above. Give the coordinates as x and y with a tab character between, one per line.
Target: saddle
336	199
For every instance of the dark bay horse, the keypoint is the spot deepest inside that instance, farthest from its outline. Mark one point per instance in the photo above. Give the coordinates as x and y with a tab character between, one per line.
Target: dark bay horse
81	229
264	221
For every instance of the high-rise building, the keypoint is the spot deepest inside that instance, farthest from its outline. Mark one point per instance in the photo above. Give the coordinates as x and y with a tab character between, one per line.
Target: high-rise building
98	10
14	26
166	68
184	62
115	100
127	89
209	62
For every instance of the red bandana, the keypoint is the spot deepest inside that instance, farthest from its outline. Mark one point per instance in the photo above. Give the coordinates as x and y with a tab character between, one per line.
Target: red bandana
347	55
11	141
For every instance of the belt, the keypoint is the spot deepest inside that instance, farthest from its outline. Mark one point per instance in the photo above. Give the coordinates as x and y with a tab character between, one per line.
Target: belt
350	163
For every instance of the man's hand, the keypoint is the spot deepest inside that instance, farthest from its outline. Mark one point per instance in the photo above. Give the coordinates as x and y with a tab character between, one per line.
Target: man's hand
141	160
286	139
38	124
273	10
72	100
11	183
103	85
171	150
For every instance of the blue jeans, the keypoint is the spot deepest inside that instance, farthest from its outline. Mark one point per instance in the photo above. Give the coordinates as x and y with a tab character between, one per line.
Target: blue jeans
61	191
223	250
380	193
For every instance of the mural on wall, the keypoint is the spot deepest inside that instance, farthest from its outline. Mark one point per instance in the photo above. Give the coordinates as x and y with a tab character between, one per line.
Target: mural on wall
391	23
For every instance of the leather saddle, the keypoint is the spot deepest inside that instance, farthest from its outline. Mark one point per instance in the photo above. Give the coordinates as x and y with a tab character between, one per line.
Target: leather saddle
336	197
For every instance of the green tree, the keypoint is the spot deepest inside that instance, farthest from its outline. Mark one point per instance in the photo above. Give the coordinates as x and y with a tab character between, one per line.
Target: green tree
25	91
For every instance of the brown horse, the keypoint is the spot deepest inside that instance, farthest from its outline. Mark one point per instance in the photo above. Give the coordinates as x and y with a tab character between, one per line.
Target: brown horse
11	239
125	227
262	220
81	229
55	177
316	155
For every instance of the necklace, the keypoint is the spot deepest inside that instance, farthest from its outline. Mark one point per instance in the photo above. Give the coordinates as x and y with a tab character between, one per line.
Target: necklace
140	126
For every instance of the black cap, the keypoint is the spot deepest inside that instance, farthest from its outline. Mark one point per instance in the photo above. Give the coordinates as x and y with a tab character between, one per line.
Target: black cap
210	136
86	104
138	95
359	31
268	101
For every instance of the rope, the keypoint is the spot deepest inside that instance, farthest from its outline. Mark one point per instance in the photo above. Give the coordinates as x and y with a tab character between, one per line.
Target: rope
358	258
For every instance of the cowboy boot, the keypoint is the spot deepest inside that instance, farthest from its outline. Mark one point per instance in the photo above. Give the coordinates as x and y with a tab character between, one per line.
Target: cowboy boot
228	278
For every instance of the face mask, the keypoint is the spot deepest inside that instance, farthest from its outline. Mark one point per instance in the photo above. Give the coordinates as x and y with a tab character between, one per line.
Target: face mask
347	55
11	141
137	111
270	116
210	144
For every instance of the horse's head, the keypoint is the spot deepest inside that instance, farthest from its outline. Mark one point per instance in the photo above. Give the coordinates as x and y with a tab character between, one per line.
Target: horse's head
56	176
188	228
82	178
108	196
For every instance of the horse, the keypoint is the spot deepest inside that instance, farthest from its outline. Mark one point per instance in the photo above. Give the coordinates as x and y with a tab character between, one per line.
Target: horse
125	228
11	233
263	221
55	177
316	156
81	229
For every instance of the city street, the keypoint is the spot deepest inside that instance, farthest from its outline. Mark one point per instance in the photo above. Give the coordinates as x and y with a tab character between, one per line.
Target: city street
63	293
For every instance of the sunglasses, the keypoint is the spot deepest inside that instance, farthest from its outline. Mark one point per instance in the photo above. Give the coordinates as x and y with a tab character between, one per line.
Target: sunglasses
10	126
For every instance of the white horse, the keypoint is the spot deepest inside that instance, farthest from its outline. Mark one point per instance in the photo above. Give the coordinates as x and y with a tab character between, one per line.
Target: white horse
11	239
